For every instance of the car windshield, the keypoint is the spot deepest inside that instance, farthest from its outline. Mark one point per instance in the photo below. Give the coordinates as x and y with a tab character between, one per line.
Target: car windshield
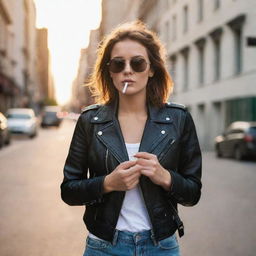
19	116
252	130
50	113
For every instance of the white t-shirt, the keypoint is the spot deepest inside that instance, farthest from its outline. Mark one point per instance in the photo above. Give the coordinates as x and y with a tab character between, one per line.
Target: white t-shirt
134	215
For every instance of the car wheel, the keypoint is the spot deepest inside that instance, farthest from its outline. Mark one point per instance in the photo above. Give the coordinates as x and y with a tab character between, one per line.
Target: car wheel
31	136
238	153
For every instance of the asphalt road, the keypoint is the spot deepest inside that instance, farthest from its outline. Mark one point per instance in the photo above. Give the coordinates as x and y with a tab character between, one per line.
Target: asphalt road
35	222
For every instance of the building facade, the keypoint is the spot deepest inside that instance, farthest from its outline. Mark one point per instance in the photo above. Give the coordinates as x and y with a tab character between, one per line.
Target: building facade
211	53
81	95
19	79
46	82
113	13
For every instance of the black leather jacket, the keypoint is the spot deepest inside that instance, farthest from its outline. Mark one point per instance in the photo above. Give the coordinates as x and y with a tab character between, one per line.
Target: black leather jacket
97	148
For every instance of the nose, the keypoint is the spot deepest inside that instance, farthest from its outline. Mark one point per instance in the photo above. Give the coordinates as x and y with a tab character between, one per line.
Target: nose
127	68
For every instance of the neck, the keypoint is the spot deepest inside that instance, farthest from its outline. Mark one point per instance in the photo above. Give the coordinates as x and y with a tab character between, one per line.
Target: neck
132	105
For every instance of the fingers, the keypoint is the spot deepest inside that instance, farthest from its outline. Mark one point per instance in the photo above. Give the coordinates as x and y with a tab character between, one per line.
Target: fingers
145	163
132	171
145	155
147	173
127	164
133	184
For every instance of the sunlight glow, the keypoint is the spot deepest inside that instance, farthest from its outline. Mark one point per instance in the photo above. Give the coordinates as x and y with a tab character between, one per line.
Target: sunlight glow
69	23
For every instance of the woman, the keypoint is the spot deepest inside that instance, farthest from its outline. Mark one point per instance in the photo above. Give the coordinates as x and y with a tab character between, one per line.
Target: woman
133	158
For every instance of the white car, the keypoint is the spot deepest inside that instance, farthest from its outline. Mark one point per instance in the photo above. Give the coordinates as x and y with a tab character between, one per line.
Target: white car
22	120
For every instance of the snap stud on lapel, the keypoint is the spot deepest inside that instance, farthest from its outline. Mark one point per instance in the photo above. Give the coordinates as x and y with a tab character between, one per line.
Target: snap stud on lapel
95	118
167	118
100	133
163	132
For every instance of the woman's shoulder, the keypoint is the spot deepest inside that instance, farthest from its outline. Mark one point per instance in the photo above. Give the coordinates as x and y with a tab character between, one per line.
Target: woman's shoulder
89	111
91	107
175	105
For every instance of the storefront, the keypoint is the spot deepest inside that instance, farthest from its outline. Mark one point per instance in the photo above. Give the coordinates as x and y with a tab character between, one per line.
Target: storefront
241	109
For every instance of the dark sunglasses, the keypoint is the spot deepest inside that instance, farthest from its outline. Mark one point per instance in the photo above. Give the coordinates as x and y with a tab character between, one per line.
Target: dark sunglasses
138	64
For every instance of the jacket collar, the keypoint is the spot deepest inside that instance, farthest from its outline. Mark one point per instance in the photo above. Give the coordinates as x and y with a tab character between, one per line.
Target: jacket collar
108	131
108	113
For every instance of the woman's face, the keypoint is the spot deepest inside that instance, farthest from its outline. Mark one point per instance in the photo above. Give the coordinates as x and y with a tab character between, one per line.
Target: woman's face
132	56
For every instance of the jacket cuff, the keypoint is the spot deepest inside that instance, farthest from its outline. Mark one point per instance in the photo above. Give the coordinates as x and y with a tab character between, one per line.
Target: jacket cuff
97	191
176	186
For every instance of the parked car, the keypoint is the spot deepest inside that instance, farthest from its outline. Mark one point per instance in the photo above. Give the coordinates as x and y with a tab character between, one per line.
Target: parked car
238	141
51	116
22	120
5	135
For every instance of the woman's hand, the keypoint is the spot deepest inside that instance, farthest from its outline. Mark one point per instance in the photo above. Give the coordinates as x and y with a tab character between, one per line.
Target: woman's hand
124	177
150	167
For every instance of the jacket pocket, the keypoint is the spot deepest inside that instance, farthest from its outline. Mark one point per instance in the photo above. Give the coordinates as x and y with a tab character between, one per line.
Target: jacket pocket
168	147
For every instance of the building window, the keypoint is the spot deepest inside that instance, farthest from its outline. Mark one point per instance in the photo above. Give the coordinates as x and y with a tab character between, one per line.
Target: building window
237	27
243	109
5	20
174	27
201	63
238	51
185	54
185	19
200	10
202	127
167	32
173	67
216	37
216	4
217	59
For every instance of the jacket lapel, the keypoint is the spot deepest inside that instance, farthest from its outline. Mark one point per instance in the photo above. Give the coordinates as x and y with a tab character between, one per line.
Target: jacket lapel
157	131
156	135
108	131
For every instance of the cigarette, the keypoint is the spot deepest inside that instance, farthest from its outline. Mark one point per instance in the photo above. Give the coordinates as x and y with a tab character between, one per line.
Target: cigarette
125	87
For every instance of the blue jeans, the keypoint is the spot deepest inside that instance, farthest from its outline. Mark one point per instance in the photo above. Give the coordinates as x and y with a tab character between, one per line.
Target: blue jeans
130	244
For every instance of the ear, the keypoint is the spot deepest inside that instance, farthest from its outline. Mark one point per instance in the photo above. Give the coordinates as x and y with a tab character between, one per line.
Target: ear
151	73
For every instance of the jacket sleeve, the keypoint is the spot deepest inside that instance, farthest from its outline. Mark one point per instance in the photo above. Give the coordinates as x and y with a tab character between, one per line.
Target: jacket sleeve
77	188
186	182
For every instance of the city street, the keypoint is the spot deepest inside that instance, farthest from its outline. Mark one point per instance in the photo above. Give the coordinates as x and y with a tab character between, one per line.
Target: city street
35	222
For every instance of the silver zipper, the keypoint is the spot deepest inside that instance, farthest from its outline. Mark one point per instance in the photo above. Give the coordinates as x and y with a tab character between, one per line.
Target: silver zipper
106	161
163	153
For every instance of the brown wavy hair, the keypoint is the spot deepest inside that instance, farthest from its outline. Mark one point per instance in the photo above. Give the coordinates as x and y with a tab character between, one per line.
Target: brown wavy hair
159	85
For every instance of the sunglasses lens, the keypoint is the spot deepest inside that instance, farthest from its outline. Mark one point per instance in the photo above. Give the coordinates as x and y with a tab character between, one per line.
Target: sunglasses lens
116	65
138	64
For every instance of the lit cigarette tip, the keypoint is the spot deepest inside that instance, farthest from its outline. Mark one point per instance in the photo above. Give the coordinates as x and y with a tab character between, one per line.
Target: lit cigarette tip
125	87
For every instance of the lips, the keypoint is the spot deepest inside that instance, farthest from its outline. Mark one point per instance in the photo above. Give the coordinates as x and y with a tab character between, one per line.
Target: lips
127	81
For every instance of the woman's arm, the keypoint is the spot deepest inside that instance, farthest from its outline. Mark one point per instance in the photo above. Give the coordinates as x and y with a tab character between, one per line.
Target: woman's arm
186	182
76	188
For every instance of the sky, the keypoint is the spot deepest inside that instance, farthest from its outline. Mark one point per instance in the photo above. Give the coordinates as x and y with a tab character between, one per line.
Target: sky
69	23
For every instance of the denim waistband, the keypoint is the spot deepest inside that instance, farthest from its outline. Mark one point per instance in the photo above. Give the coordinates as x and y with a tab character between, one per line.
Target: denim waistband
133	237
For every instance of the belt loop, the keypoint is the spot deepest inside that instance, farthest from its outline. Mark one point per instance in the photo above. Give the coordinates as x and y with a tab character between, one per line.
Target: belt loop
153	238
115	238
